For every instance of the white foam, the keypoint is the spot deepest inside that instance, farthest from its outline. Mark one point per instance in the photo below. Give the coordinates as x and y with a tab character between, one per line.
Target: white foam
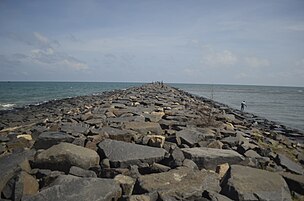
6	105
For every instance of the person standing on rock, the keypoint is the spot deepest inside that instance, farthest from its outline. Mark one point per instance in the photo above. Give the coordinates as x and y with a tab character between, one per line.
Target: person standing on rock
243	104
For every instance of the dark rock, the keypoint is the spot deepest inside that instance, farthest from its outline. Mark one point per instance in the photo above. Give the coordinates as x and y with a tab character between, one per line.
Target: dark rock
70	188
4	138
181	184
47	139
209	158
289	164
252	154
245	183
294	182
2	148
126	184
64	155
10	166
123	154
8	190
214	196
177	156
79	172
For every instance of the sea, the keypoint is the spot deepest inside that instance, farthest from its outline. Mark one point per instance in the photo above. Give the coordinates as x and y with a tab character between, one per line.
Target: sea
284	105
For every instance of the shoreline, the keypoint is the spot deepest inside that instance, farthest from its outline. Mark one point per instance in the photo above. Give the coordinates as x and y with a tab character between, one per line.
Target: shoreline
141	135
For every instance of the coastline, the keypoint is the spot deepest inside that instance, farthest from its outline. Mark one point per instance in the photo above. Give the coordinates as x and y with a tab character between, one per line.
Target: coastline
178	125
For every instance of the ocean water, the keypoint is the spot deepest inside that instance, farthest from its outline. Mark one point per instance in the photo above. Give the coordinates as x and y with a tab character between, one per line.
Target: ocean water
281	104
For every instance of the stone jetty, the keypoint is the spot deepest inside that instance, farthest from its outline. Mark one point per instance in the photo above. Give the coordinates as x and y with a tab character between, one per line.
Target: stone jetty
148	143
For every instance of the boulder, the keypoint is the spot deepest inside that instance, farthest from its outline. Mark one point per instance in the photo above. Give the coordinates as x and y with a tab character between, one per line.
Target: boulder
70	188
64	155
144	127
192	136
47	139
246	183
10	165
289	164
124	154
181	184
155	140
210	158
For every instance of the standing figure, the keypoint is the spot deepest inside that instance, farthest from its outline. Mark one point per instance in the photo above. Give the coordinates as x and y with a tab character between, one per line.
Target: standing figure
243	104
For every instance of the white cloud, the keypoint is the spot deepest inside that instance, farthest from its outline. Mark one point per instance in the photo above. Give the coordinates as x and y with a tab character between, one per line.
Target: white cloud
224	58
75	64
256	62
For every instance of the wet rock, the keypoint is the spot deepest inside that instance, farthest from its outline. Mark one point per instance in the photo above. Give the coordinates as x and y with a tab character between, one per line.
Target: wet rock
123	154
70	188
144	127
79	172
64	155
209	158
245	183
289	164
181	184
47	139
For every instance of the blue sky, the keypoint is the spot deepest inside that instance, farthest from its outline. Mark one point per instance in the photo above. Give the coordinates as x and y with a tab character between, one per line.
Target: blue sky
229	42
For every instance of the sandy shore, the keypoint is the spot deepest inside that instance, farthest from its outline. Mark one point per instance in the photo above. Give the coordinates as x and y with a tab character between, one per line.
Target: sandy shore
152	142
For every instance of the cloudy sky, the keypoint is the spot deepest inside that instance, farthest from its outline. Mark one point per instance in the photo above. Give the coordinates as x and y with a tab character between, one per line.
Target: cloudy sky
194	41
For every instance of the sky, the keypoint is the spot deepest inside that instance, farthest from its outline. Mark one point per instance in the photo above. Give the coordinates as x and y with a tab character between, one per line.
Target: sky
195	41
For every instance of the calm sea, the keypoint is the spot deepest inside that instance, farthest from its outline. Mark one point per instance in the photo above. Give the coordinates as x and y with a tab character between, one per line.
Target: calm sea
281	104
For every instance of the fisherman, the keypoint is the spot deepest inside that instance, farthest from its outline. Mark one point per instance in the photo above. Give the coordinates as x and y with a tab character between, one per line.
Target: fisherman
243	104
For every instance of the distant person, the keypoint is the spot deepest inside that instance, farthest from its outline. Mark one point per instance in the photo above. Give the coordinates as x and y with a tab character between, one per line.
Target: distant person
243	104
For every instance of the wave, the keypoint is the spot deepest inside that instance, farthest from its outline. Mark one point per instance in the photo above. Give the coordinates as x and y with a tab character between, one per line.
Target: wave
6	106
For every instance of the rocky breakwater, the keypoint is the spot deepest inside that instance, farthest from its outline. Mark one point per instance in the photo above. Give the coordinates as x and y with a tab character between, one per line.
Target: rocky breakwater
152	143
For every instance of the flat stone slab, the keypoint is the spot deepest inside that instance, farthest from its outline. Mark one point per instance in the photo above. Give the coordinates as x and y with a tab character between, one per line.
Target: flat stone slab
181	184
124	154
144	127
246	183
71	188
192	136
64	155
209	158
47	139
289	164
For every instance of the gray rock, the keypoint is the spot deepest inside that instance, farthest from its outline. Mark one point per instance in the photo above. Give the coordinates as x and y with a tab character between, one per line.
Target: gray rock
64	155
181	184
289	164
294	182
117	134
144	127
10	166
209	158
252	154
79	172
214	196
177	156
123	154
190	164
245	183
191	136
47	139
70	188
73	128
